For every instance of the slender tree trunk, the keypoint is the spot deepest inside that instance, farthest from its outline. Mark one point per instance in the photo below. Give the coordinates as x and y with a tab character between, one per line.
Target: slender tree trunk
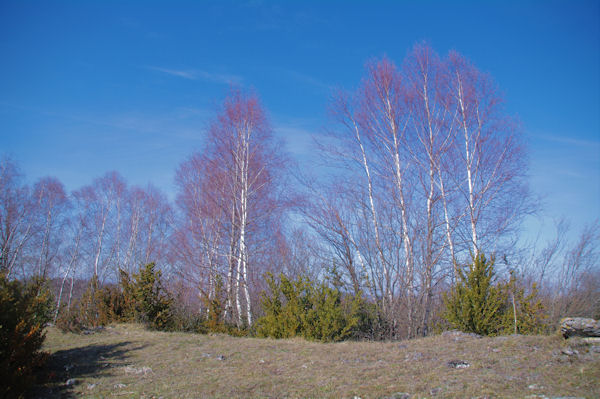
387	295
469	158
69	269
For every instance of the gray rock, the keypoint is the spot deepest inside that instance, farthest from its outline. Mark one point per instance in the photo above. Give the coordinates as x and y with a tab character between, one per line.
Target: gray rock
71	381
119	386
579	327
135	370
569	351
459	335
458	364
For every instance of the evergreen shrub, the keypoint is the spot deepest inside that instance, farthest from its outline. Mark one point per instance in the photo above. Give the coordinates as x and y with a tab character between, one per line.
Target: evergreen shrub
306	309
25	308
480	305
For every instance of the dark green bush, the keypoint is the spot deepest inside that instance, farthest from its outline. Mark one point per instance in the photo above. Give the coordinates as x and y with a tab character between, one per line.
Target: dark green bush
474	303
141	298
215	307
149	299
303	308
530	315
25	308
478	304
97	307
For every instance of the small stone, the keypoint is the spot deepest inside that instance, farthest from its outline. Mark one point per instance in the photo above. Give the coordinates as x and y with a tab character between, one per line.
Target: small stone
119	386
91	386
569	352
134	370
435	391
70	381
304	366
535	386
458	364
459	335
261	361
496	350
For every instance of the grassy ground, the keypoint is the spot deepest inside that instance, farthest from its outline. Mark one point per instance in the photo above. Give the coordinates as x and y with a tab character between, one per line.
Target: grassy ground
128	361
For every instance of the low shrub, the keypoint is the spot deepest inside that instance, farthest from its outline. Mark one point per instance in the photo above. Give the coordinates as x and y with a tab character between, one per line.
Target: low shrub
480	305
25	308
303	308
141	298
149	299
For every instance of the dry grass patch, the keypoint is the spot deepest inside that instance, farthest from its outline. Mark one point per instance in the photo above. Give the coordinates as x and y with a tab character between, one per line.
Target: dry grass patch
128	361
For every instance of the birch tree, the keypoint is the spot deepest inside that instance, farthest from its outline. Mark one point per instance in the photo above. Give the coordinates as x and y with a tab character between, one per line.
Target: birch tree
431	170
229	198
15	216
50	207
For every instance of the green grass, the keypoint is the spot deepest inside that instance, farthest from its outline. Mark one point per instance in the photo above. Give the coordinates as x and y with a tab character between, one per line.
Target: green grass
111	364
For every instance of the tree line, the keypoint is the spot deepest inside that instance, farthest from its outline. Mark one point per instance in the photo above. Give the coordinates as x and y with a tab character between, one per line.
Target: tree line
425	173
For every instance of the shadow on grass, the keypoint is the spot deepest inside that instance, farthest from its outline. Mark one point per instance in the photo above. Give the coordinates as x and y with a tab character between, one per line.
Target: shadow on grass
65	369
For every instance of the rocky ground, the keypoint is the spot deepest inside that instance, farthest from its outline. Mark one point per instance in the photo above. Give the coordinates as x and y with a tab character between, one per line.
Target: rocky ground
128	361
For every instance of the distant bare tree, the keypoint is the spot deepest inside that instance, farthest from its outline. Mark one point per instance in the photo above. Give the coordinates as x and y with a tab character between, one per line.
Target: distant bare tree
15	216
50	210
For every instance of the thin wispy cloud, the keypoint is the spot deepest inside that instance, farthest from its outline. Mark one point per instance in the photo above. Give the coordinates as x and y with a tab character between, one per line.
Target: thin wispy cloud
302	78
198	74
569	140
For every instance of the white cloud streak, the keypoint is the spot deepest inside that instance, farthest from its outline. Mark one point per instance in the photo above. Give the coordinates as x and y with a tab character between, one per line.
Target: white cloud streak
197	74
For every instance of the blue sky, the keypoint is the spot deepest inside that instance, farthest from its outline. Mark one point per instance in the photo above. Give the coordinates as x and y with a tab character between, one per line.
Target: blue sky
87	87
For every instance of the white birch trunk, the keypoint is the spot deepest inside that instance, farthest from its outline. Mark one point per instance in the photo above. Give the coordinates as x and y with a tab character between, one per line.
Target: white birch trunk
469	166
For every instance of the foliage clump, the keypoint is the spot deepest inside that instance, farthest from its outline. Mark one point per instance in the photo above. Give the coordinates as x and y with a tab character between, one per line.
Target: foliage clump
523	312
25	308
480	305
146	297
97	307
140	297
215	308
305	309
